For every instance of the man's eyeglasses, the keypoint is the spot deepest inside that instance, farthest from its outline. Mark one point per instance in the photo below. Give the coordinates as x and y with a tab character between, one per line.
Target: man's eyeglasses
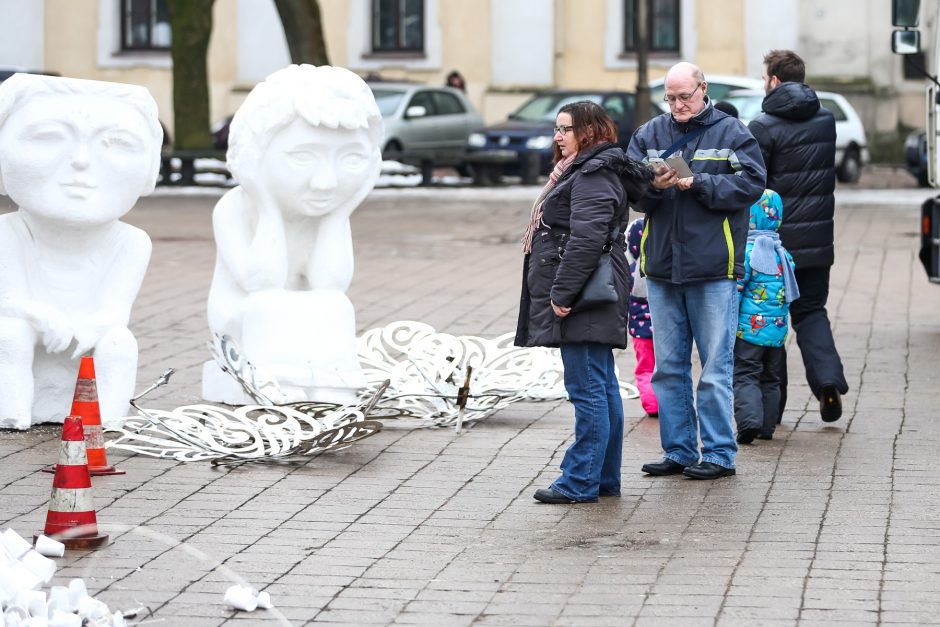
563	130
683	98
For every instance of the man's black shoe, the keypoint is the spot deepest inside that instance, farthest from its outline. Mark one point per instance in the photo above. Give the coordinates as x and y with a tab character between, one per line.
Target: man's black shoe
547	495
663	468
746	436
707	470
830	403
765	436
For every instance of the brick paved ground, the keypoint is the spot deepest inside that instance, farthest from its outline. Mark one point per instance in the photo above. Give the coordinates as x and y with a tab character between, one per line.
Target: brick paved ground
833	524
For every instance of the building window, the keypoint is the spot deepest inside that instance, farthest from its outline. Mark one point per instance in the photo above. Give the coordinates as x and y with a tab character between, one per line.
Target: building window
145	25
662	26
397	25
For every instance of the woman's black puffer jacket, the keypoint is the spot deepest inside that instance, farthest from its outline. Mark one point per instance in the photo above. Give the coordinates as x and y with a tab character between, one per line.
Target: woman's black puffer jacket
585	207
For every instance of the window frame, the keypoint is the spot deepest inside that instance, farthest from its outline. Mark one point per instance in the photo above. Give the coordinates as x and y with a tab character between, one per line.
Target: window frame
628	7
124	10
400	16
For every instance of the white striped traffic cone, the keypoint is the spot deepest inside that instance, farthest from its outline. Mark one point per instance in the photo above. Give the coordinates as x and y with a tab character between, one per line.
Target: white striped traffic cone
71	517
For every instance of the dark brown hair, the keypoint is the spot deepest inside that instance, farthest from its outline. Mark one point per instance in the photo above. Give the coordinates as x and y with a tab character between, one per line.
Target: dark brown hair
591	125
785	65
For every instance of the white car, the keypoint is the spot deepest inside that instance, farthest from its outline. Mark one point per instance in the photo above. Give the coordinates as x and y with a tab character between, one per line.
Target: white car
719	86
851	143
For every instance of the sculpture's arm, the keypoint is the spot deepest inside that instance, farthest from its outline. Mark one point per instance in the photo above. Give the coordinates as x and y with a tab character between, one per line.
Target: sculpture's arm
330	264
16	301
255	260
117	289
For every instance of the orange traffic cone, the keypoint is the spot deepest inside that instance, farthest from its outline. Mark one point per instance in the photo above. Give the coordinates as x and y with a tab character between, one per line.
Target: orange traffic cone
85	404
71	517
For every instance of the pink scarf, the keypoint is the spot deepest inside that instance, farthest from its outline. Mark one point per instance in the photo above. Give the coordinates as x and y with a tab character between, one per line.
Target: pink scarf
535	218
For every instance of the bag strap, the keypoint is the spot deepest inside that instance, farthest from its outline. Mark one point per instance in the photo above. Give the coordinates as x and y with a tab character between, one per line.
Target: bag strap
685	139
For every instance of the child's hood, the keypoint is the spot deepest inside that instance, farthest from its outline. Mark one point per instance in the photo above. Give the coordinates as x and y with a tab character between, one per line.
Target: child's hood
767	213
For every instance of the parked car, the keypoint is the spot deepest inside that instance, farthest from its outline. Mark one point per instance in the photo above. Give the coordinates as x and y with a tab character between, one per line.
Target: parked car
915	156
851	143
421	123
529	130
424	122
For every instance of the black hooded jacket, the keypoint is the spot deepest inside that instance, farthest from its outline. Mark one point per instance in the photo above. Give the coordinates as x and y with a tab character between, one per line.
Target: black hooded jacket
798	140
583	209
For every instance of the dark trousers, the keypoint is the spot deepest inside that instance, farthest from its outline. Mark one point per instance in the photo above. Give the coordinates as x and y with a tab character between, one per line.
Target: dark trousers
814	335
757	386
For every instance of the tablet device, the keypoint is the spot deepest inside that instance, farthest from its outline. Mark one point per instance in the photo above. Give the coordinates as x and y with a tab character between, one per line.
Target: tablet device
677	163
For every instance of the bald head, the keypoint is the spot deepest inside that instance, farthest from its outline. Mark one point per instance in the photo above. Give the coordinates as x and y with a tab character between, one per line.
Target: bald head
685	91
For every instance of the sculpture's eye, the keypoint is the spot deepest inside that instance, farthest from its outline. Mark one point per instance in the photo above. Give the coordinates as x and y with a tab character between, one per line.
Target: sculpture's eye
47	135
353	160
302	157
119	140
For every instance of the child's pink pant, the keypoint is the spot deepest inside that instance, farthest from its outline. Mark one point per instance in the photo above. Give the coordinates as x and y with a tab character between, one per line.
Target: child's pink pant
645	362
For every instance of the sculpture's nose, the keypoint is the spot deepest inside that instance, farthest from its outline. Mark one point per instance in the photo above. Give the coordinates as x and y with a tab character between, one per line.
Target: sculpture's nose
323	178
80	157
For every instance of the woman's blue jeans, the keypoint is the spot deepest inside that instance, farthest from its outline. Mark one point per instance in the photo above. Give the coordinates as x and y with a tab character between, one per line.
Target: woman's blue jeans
591	466
707	313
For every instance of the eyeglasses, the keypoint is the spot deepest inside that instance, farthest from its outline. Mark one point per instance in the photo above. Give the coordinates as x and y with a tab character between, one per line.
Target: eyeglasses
683	98
563	130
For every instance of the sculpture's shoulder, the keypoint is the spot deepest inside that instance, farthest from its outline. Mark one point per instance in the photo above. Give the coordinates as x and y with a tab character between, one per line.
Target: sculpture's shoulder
133	241
12	229
231	206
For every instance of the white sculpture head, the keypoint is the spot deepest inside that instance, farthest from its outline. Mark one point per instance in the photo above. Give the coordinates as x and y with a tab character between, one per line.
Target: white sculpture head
76	151
311	137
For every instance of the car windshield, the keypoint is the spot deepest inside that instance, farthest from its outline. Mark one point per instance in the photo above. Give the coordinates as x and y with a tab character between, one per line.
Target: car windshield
387	100
544	108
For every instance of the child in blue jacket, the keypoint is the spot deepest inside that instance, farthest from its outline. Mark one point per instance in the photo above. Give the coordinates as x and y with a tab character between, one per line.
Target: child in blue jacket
766	291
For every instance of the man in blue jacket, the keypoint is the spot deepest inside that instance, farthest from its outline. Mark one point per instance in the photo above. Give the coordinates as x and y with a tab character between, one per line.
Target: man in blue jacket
691	253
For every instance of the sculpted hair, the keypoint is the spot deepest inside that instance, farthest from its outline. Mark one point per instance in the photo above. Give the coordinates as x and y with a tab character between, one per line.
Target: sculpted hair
592	125
16	91
785	65
327	96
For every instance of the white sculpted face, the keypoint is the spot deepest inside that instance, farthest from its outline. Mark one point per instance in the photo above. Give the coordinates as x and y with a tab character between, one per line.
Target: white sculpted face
78	159
315	170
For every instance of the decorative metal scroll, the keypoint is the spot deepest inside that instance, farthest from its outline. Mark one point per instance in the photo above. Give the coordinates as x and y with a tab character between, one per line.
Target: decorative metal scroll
414	375
242	434
427	370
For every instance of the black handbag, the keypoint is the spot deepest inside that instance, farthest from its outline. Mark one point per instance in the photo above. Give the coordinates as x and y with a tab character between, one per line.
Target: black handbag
599	289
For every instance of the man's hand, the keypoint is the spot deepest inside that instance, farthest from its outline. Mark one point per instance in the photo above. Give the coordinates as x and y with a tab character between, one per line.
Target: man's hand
561	312
685	184
665	178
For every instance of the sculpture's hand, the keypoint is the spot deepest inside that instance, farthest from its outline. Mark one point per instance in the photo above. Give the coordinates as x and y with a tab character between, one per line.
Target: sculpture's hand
86	337
52	325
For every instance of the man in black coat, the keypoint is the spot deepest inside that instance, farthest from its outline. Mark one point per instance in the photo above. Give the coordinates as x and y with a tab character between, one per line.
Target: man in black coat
797	138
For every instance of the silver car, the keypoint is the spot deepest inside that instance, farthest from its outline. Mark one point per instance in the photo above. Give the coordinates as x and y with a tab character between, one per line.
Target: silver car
424	123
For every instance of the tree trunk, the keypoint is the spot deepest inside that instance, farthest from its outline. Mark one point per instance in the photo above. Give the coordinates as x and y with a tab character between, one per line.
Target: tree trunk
191	24
642	113
304	31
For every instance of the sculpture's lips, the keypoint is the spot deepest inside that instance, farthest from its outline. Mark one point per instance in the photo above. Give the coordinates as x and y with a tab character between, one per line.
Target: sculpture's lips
320	201
78	188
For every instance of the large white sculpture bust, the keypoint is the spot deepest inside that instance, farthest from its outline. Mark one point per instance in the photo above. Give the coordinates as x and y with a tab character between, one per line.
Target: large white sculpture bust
75	156
305	148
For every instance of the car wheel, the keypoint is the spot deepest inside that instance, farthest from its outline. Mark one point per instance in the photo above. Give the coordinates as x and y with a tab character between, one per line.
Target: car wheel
465	170
392	151
851	167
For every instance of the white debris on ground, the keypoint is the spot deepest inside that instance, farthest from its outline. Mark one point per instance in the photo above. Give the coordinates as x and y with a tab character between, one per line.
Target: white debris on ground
247	599
23	603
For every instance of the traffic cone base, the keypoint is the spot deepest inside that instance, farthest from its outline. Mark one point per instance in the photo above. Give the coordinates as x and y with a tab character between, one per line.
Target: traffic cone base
71	518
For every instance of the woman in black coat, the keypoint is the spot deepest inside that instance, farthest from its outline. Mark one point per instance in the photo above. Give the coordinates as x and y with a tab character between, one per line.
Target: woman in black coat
580	215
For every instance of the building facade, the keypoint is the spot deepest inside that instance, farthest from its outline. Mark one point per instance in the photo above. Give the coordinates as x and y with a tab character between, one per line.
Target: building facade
505	49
